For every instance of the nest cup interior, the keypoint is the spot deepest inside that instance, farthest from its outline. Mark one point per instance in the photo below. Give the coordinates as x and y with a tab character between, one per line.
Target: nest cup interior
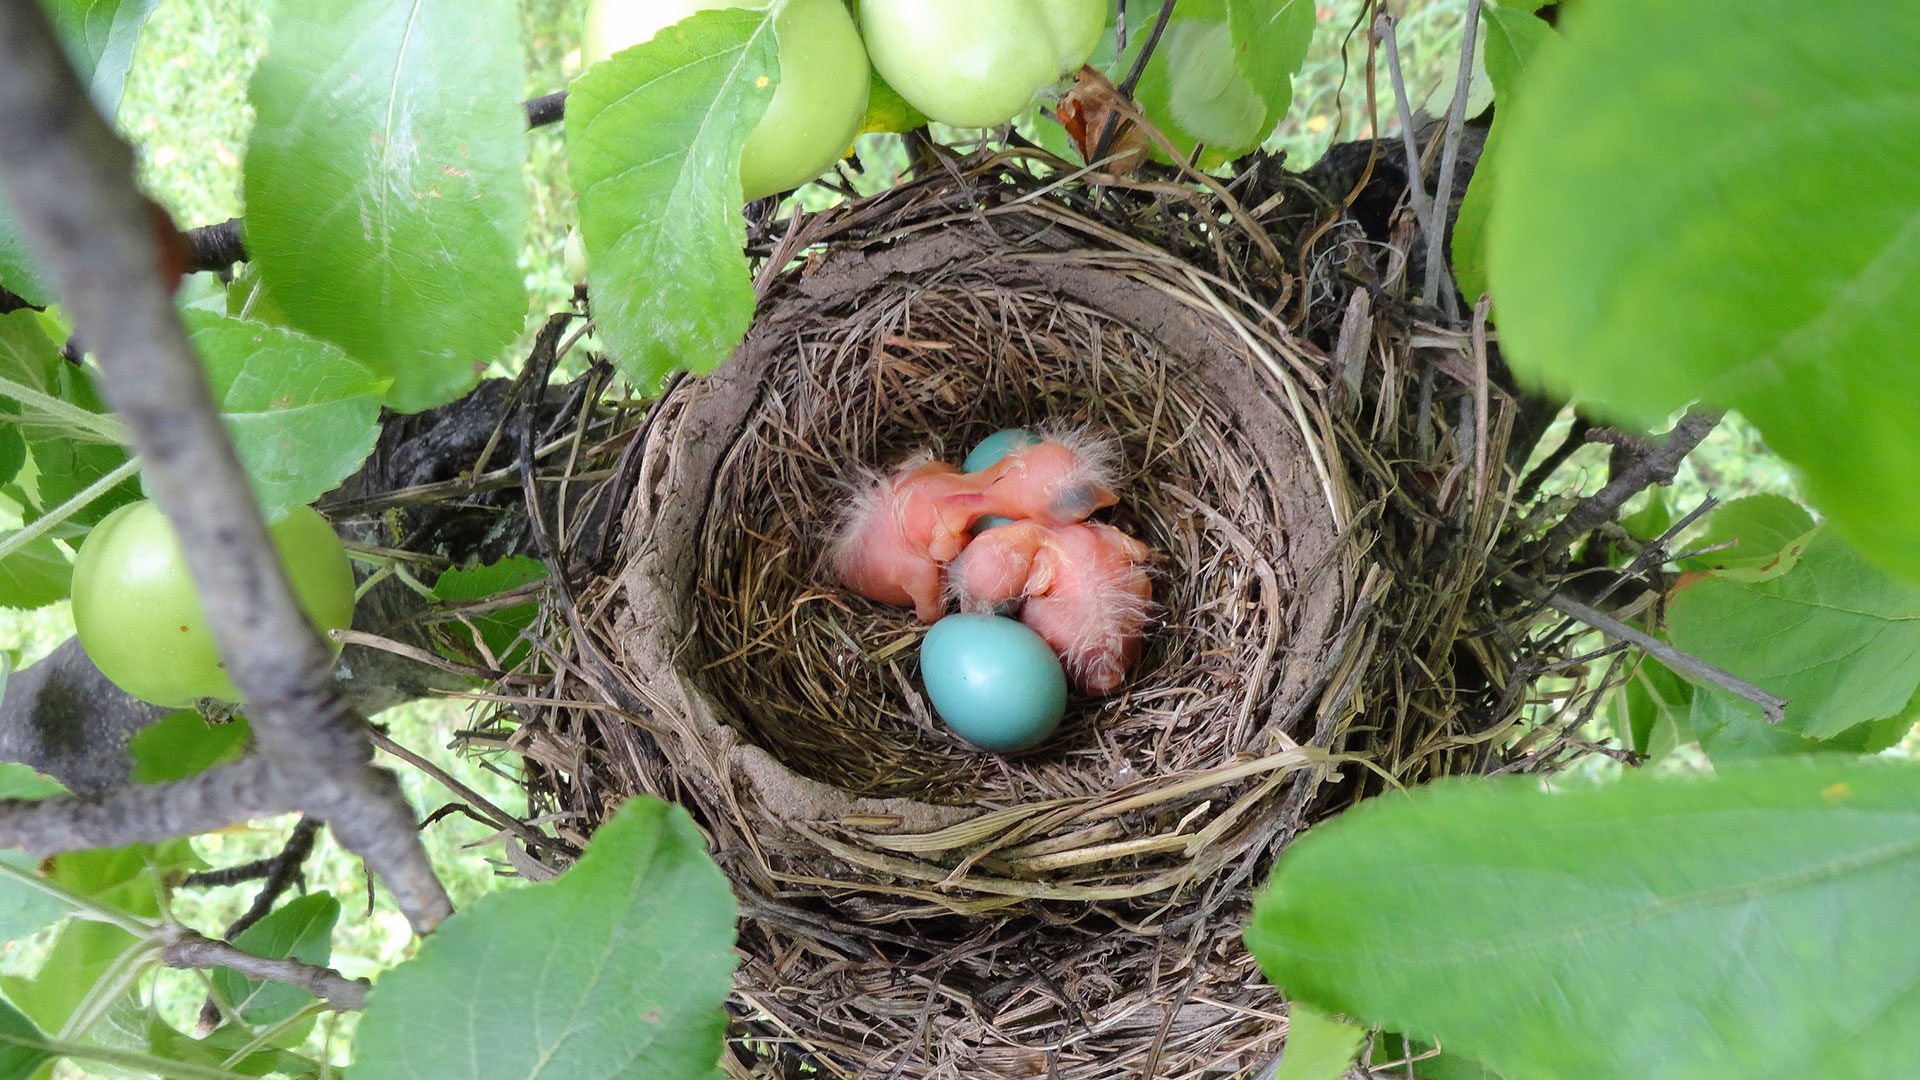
1213	478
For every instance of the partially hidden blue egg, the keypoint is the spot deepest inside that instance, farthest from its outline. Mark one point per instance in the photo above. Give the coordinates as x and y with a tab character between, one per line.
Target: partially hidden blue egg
996	446
996	683
990	521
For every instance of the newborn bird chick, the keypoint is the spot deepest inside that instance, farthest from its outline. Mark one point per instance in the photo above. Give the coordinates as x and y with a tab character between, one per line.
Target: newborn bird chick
1056	481
1086	592
896	537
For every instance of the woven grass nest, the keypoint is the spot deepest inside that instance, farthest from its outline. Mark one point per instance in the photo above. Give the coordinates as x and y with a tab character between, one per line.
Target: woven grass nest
1320	478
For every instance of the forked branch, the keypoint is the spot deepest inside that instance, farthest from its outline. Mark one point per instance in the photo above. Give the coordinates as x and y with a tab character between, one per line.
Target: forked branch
70	181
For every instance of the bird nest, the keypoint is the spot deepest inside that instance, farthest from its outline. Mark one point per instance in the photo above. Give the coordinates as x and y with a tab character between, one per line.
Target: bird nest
1321	484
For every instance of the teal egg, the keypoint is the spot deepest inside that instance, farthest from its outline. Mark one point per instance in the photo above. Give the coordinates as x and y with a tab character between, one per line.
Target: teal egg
996	446
996	683
990	521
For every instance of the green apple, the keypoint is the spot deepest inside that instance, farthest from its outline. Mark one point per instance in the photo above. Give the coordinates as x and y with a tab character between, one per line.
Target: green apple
818	106
976	63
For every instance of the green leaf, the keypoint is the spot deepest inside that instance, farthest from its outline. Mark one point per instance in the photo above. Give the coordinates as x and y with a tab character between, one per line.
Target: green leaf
1270	39
182	744
654	135
302	415
887	110
1836	636
64	466
302	930
1762	528
617	969
127	878
36	575
24	910
1189	90
18	1061
1390	1061
501	629
1648	929
1515	42
19	270
1667	228
1730	729
1319	1047
384	186
20	781
100	36
81	954
216	1050
1657	703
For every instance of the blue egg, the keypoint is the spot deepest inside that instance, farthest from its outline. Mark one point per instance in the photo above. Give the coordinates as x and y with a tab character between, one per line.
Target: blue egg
996	683
990	521
996	446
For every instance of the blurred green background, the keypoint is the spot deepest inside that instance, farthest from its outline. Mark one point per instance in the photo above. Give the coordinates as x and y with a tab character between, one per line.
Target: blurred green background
186	109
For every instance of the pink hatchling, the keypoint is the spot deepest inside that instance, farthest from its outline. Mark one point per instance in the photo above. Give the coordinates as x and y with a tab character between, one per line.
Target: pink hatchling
897	536
1085	588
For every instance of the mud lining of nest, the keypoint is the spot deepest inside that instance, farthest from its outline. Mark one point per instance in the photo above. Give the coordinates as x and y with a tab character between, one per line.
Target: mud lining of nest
1322	503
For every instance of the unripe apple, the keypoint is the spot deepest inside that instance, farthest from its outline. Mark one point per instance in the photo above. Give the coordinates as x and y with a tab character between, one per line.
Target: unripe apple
976	63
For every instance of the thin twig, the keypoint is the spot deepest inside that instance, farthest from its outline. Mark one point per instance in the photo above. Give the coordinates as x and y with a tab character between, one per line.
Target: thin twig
1443	190
69	178
1655	467
1385	30
496	817
183	948
1696	670
284	871
1576	438
1132	81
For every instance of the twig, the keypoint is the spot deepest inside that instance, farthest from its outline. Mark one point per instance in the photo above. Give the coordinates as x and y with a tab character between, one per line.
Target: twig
1655	467
185	949
494	816
284	871
1576	438
1385	31
1696	670
70	181
1132	81
1449	153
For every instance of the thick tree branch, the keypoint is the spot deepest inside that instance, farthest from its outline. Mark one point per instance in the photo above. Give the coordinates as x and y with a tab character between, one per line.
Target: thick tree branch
145	812
184	948
546	109
216	247
70	181
1658	466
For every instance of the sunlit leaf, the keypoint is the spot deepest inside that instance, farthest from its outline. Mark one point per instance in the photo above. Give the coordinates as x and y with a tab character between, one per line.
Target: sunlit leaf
302	415
654	135
1319	1047
1716	202
1647	929
1761	529
385	188
617	969
1514	41
1269	40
